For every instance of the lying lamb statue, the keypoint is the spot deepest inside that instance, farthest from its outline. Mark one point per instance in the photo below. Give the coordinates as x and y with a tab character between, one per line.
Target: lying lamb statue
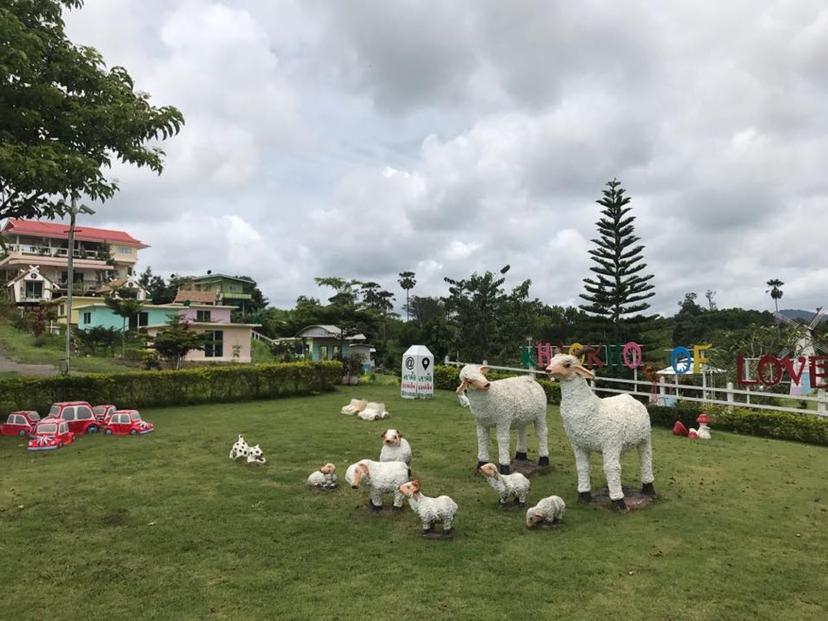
381	478
354	407
611	426
373	411
395	447
506	485
549	511
504	404
325	477
430	510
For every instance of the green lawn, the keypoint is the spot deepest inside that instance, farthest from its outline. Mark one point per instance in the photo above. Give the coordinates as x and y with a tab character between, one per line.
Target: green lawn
167	527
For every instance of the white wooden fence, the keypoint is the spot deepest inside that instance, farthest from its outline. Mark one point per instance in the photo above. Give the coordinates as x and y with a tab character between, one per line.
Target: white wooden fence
664	393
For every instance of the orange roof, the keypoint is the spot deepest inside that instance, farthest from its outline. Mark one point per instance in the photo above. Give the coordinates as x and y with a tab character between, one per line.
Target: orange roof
61	231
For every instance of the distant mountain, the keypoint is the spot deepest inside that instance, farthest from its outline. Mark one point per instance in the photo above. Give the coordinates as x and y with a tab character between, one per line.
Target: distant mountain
801	315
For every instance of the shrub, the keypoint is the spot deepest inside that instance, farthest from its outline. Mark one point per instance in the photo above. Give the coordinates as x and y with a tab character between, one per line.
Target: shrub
163	388
766	424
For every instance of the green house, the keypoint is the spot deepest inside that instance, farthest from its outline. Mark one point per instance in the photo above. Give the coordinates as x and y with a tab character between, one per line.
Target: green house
230	290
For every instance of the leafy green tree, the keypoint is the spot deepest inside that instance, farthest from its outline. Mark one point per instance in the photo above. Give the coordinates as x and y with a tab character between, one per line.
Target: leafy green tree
346	290
154	285
174	341
619	288
125	308
775	290
64	116
407	283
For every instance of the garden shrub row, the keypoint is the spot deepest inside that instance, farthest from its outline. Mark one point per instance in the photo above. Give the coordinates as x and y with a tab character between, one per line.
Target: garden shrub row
767	424
448	378
165	388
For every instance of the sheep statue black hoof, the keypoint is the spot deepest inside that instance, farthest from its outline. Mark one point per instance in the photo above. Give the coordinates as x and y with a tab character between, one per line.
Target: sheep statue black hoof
648	490
619	505
374	507
448	534
521	457
543	461
480	463
395	508
584	498
505	469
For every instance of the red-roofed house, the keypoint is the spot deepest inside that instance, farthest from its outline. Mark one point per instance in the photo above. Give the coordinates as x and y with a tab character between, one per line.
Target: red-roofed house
101	255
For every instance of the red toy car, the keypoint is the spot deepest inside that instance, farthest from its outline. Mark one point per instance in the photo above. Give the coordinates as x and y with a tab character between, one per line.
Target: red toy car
103	412
51	434
20	423
123	422
78	414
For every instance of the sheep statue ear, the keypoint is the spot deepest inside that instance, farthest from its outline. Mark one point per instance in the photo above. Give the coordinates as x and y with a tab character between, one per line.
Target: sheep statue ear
484	369
464	384
583	372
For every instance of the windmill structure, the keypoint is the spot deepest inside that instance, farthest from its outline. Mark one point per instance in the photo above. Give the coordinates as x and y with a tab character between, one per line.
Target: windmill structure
805	347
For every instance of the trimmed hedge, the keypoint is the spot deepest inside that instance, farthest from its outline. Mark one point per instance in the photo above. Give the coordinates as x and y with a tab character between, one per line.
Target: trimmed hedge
162	388
779	425
448	378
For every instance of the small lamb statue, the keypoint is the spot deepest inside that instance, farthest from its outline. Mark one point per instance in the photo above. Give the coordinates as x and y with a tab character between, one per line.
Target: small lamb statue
255	455
381	477
506	485
395	447
239	448
354	407
549	511
324	478
610	426
431	510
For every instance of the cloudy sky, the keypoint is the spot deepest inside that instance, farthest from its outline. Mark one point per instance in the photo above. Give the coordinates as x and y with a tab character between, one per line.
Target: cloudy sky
361	138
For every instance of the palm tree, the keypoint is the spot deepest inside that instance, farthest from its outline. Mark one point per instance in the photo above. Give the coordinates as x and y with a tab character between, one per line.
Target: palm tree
407	282
775	292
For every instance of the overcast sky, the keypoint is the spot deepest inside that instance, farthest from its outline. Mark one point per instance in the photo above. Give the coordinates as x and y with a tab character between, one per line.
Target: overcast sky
361	138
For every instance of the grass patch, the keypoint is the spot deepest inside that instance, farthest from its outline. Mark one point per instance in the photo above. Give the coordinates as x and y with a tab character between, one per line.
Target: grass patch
167	527
24	348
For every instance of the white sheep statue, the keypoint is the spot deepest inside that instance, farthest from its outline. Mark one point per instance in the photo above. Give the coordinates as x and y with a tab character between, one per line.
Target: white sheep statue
354	407
431	510
548	511
381	478
373	411
506	485
504	404
395	447
324	478
612	426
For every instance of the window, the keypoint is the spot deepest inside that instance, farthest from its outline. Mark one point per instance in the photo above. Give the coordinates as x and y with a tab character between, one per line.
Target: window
139	321
203	315
214	347
84	413
34	289
62	310
68	413
87	317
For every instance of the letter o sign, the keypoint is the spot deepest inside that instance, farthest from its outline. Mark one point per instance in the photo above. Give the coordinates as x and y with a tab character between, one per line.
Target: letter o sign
631	355
764	362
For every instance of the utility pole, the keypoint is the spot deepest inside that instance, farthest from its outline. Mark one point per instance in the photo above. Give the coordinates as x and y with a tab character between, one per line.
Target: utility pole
70	273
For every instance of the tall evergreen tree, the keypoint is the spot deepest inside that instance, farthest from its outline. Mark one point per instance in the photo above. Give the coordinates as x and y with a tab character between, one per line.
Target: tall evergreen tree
618	288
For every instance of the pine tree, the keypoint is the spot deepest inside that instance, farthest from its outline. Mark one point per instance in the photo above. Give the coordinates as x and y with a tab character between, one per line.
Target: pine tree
619	288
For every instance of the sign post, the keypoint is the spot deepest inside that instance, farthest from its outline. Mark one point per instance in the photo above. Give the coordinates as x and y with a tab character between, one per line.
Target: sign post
417	378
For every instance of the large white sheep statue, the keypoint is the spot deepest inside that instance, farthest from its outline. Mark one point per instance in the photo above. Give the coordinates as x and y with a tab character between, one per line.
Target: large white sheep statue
505	404
612	426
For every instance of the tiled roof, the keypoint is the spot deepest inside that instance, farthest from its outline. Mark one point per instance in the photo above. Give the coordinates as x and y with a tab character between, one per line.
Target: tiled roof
191	295
61	231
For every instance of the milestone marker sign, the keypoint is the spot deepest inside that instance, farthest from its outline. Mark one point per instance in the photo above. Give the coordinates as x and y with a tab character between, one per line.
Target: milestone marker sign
417	379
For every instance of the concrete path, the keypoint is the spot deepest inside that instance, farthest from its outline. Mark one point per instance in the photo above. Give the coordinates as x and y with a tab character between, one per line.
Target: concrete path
7	365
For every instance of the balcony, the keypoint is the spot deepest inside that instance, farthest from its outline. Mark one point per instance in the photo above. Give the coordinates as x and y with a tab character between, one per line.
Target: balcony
46	251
